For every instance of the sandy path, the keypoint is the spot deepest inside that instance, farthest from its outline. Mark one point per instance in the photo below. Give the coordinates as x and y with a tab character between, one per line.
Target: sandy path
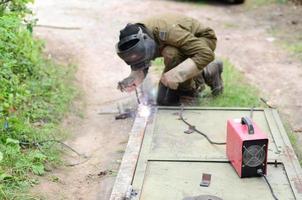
92	49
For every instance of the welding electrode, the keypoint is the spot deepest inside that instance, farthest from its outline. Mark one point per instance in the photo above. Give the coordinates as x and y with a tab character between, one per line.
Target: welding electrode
137	97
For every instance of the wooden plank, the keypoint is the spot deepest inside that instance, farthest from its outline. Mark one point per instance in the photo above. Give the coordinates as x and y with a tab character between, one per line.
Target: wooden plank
130	158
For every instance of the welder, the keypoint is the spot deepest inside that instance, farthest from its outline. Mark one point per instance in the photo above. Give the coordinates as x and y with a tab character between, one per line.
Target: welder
187	47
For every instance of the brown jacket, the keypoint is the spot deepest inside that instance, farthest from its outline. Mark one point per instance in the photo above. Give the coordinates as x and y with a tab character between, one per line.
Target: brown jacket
187	34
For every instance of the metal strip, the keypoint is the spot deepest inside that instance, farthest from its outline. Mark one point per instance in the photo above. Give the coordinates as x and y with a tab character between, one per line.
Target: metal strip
142	165
130	159
273	129
209	108
292	166
214	160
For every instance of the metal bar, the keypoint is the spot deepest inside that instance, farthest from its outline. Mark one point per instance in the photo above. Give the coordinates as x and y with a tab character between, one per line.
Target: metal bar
174	108
149	133
274	132
130	159
292	166
270	162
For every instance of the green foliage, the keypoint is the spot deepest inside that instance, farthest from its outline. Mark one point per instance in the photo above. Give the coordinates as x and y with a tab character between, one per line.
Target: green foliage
34	94
18	7
289	38
237	92
295	48
158	65
257	3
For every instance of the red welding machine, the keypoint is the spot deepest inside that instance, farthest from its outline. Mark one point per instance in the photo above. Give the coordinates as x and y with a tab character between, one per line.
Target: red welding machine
246	147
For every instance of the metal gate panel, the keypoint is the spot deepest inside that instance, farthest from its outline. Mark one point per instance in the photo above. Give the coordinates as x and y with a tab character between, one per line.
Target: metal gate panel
171	163
170	142
177	180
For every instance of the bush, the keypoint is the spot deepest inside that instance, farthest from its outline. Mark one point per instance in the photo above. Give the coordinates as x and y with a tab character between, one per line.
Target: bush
297	2
34	94
19	7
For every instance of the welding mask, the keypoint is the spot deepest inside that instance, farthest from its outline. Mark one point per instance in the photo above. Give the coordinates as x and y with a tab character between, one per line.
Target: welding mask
137	49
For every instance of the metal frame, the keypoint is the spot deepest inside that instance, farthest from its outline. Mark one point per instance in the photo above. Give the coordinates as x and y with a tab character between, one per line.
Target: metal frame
287	156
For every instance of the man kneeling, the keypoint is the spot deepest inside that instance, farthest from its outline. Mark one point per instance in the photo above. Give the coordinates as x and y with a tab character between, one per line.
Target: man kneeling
188	51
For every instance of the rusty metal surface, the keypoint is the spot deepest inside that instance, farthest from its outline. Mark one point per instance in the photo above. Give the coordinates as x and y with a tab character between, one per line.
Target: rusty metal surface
171	162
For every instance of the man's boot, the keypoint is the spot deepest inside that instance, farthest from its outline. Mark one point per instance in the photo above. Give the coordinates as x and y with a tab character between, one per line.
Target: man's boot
199	83
167	96
212	76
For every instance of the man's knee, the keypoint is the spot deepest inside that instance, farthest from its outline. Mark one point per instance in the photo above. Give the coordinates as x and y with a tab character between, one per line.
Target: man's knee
172	57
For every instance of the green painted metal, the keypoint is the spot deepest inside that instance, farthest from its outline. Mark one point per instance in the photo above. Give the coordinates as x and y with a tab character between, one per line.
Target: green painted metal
171	162
176	180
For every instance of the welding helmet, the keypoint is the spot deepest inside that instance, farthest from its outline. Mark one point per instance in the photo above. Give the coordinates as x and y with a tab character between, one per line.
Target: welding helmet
136	46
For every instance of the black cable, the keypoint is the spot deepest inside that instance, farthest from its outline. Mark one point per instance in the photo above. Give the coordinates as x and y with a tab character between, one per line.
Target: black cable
38	144
193	128
260	172
58	27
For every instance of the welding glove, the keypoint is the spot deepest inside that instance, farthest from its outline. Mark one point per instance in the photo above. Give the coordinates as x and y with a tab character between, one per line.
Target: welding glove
182	72
132	81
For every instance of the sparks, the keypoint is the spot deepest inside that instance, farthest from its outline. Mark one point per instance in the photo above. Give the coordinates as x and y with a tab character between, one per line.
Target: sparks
144	110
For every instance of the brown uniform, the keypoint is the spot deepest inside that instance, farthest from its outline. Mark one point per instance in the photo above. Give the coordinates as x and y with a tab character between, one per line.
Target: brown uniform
180	37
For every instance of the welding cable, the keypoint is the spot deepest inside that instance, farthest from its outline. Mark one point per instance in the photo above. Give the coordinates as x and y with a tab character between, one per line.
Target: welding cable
193	128
260	172
38	144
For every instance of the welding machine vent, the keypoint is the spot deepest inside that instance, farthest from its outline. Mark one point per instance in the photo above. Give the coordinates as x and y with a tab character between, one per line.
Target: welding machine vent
254	155
246	147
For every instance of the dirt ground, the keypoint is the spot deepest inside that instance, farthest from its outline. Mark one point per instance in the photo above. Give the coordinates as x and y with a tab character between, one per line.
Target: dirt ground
243	39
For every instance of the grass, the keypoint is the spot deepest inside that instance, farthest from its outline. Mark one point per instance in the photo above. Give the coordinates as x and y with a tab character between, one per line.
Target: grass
35	94
230	25
288	38
293	138
237	92
158	64
257	3
21	164
294	48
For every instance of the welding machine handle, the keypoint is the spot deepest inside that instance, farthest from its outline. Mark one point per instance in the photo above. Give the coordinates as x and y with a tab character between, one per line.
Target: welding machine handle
247	121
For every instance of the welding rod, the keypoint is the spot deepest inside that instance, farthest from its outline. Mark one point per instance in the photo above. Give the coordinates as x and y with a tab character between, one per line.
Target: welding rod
137	97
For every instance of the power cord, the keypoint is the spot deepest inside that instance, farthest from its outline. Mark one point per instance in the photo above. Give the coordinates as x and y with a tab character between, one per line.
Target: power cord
194	129
260	172
40	143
